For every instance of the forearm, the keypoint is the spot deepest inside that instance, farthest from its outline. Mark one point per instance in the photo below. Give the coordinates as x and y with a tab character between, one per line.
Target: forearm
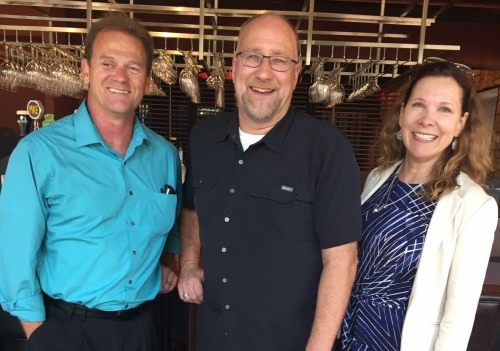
192	276
334	291
190	239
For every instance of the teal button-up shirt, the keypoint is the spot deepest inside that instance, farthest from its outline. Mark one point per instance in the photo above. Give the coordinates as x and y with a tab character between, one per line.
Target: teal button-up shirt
82	223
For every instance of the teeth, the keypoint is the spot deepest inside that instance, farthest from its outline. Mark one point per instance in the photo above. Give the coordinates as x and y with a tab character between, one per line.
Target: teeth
425	136
118	91
262	90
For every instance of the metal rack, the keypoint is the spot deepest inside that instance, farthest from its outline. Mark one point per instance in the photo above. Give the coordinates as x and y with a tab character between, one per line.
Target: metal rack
209	27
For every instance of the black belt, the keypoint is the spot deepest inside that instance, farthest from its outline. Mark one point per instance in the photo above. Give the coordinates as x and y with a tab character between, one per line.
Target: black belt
81	310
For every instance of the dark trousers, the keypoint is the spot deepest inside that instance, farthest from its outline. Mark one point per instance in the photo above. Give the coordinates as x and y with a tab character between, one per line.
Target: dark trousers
68	331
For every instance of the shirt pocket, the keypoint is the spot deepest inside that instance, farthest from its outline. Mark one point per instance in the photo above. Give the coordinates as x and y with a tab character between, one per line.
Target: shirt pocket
204	189
160	212
205	183
271	193
274	214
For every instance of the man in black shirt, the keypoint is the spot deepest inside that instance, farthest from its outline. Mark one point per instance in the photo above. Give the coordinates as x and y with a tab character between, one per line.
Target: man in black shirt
272	200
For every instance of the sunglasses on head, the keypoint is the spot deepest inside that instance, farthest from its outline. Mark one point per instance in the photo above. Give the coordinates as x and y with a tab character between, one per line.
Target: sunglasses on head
460	66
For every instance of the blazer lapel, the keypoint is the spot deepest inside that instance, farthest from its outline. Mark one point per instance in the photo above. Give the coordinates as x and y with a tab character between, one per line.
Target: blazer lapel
375	180
444	212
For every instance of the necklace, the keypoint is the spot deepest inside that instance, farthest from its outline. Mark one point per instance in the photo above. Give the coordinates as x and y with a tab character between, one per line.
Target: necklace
384	202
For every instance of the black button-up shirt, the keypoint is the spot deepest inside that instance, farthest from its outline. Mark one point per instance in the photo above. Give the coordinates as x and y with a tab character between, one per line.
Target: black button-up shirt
264	216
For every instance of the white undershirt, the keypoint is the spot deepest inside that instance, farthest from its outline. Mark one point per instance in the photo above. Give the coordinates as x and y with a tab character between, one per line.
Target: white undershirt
249	139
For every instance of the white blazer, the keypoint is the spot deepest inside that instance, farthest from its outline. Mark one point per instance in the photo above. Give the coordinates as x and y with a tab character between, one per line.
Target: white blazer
451	269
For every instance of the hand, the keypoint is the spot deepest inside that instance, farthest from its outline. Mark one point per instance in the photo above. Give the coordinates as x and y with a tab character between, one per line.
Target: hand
30	327
169	273
190	286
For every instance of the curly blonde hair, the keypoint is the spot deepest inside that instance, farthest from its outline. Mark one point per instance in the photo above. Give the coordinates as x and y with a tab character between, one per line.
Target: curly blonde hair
472	154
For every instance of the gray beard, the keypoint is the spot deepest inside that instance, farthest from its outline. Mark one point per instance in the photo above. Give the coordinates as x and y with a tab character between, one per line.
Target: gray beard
251	113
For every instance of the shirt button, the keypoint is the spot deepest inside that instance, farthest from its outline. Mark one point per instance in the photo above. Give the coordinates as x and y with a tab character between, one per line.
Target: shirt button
224	280
134	253
227	307
130	281
131	192
240	162
223	249
132	223
231	191
226	219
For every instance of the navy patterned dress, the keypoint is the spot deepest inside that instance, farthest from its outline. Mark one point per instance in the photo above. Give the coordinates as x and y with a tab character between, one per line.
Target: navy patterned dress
395	222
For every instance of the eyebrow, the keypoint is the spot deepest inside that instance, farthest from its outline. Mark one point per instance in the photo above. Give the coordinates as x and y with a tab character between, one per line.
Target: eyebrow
273	53
108	57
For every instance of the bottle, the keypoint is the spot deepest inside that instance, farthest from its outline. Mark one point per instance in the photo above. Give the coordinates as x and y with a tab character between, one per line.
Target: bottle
23	121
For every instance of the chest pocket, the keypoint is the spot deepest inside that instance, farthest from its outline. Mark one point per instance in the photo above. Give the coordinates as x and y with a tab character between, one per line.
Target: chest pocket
271	193
161	212
204	188
275	214
205	183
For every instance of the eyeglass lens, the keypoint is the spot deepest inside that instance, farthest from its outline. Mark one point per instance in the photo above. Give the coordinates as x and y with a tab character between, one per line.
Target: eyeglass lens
254	60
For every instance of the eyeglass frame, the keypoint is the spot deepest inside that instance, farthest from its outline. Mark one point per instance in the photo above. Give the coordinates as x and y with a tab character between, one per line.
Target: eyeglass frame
269	57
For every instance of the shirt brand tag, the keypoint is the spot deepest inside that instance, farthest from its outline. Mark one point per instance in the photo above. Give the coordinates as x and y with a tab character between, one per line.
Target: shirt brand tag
287	188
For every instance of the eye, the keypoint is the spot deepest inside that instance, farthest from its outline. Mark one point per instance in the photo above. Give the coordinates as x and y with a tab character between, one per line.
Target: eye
417	104
252	56
279	61
107	64
134	69
445	109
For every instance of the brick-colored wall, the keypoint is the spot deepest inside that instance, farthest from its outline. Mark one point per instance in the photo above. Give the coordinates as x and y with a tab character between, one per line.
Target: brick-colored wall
486	80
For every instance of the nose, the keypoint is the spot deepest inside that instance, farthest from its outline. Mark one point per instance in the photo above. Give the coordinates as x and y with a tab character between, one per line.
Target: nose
264	71
426	117
120	73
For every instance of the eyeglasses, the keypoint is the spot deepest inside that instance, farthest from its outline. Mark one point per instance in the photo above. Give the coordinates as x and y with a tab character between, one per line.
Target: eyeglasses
254	60
460	66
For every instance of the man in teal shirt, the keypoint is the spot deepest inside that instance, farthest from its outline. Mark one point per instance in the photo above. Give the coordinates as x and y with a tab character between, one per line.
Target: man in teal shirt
87	206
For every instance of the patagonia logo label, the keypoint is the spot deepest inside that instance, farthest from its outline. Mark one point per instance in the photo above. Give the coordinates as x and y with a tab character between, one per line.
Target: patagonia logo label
287	188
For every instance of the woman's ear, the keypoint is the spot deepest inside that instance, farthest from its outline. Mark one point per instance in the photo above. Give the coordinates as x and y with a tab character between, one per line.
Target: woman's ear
401	111
462	122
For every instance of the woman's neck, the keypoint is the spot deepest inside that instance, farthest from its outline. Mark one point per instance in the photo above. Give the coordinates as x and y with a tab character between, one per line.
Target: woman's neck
414	173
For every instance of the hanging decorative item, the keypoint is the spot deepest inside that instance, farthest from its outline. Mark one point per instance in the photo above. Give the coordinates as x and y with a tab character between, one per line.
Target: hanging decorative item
188	80
216	80
164	68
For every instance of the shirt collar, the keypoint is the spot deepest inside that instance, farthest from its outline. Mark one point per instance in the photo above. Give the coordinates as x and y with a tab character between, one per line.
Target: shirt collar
86	132
274	139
